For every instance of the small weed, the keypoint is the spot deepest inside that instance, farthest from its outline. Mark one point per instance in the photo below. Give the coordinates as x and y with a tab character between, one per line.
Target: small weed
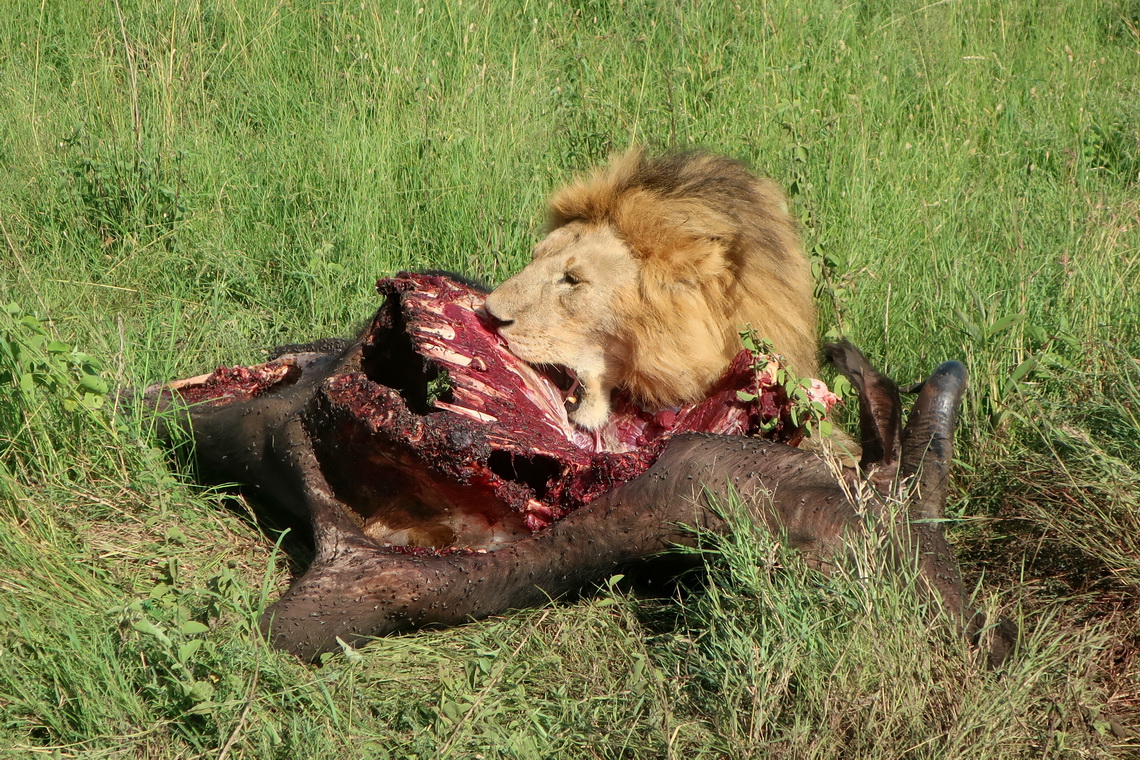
804	412
439	387
126	200
32	363
50	397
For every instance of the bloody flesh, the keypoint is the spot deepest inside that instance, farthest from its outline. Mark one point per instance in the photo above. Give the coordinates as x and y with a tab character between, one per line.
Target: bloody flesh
442	422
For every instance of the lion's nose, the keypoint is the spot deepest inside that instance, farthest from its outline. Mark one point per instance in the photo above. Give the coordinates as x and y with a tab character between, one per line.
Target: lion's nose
493	320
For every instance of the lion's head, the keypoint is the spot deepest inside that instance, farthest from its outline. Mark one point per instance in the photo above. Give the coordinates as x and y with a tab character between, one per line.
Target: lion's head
651	268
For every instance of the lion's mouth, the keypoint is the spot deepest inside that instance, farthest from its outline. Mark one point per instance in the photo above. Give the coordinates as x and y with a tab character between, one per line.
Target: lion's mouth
567	381
564	378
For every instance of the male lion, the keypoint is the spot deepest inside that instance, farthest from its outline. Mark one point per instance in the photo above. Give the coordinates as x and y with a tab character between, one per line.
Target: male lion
651	268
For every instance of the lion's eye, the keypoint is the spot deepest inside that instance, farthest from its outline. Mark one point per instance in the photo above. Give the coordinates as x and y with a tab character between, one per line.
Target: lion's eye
569	278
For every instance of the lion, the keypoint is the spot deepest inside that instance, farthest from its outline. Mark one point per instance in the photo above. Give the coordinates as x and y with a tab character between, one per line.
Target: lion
651	268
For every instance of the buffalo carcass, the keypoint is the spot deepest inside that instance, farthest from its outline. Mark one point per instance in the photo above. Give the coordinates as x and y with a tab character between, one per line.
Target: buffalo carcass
444	482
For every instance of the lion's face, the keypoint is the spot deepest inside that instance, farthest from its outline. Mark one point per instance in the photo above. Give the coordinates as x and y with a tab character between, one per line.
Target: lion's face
565	309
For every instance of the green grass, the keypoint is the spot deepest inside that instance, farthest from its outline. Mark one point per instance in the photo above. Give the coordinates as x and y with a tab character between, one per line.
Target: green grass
212	177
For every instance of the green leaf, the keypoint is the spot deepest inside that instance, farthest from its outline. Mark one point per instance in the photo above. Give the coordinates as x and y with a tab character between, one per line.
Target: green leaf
1005	323
1036	334
199	691
450	709
202	708
160	590
971	329
93	401
193	626
147	627
350	652
187	650
1055	360
841	387
1023	369
32	324
93	383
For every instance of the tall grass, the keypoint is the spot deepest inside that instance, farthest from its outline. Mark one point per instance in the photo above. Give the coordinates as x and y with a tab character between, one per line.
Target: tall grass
187	182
